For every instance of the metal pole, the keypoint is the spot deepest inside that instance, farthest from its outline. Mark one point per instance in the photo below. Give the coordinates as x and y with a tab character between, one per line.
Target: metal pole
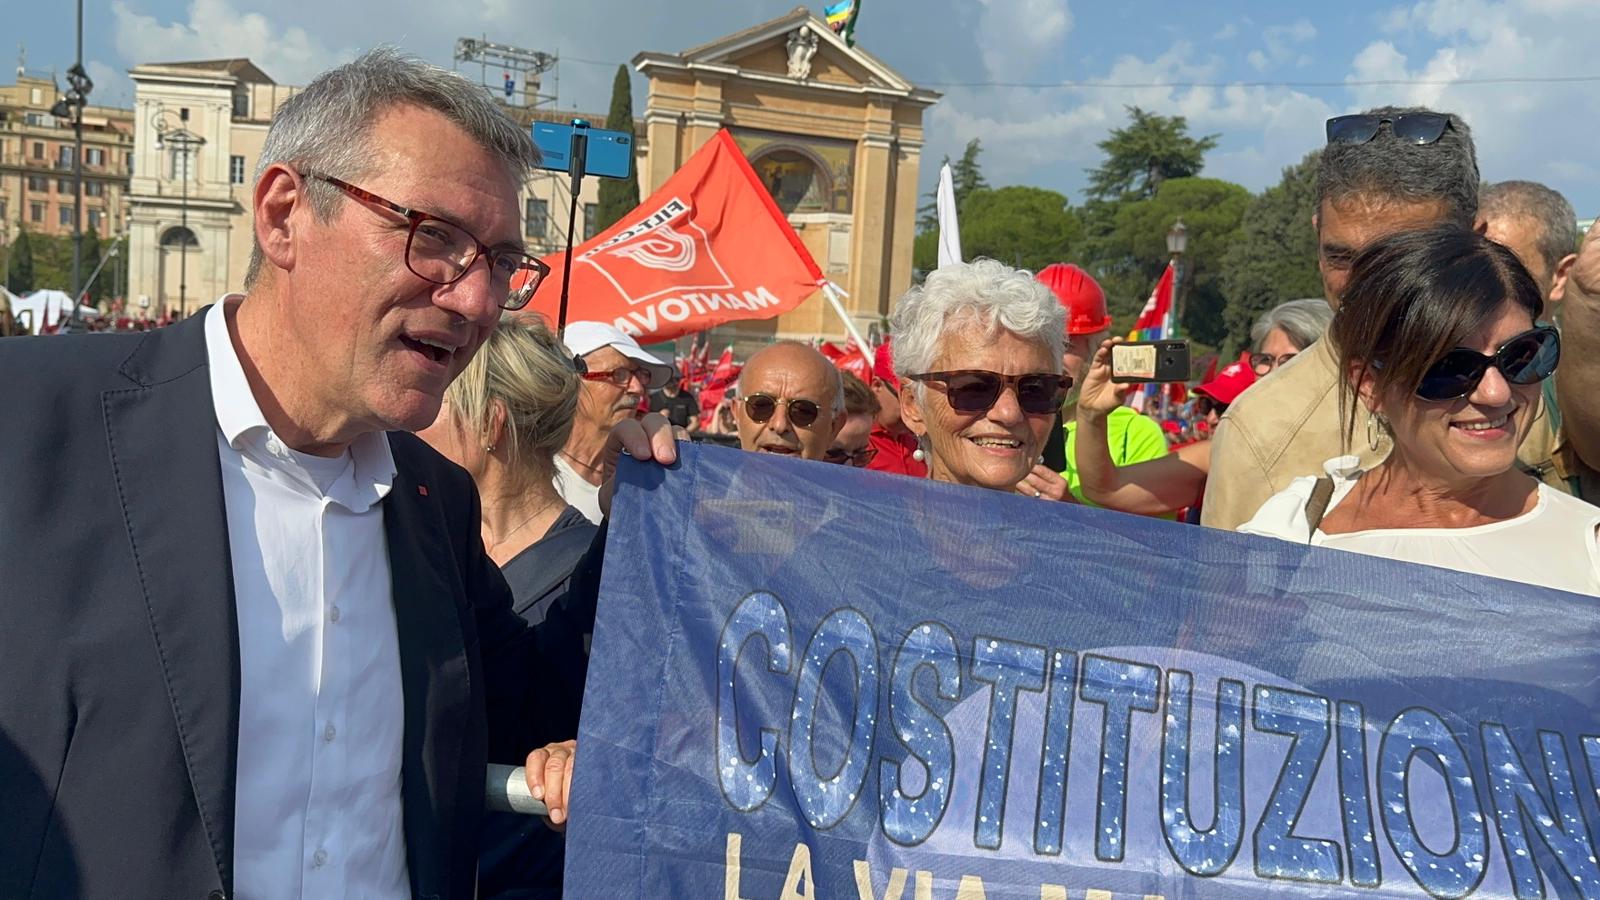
183	237
1177	295
77	187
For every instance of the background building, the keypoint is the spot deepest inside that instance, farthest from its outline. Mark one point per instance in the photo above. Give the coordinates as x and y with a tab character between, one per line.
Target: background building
835	135
36	163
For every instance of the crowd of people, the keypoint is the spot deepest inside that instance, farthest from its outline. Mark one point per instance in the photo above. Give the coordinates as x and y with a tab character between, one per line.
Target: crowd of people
349	524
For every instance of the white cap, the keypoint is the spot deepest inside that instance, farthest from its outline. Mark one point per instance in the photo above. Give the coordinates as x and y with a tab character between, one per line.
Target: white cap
583	338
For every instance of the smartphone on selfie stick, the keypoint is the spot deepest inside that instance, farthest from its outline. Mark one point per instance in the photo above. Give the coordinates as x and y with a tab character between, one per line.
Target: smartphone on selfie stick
580	150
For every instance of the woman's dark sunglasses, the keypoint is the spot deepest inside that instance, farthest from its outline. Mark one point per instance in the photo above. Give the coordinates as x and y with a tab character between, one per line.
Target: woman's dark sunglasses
977	390
1528	358
860	459
760	408
1418	128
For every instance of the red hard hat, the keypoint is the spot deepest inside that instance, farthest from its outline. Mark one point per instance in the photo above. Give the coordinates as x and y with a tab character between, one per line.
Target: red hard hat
1080	294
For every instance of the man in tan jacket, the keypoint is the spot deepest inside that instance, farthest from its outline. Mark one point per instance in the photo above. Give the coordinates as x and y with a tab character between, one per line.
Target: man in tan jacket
1383	171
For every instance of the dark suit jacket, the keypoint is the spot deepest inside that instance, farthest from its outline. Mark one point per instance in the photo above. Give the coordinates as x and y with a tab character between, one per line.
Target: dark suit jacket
119	652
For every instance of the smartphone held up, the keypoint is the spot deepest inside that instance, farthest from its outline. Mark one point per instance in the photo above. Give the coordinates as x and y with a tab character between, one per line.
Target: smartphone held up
1150	361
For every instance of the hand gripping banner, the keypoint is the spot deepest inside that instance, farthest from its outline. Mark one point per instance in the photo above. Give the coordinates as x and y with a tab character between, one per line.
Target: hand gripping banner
708	247
822	682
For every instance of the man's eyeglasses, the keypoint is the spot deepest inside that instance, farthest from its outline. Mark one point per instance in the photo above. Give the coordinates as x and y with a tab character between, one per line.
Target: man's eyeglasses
977	390
1418	128
1266	362
1528	358
761	407
441	252
859	459
621	375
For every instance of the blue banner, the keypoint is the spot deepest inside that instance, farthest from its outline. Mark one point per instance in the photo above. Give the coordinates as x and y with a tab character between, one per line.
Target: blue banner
810	681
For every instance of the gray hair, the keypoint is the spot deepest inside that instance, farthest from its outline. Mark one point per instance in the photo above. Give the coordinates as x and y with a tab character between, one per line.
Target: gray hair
990	294
837	382
1393	169
1303	321
326	128
1554	216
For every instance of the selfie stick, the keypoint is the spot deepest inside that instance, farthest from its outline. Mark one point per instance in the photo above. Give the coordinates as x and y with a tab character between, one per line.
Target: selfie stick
580	149
506	790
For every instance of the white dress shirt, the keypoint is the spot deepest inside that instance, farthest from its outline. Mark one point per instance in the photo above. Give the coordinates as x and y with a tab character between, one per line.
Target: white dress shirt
579	493
321	714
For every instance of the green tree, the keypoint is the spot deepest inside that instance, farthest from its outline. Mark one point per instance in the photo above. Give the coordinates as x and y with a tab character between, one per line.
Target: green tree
1133	251
619	196
1275	257
90	259
21	277
966	176
1147	151
1019	226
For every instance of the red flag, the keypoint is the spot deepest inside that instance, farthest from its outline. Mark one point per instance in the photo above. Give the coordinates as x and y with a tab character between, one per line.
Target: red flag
848	359
710	246
723	377
1152	324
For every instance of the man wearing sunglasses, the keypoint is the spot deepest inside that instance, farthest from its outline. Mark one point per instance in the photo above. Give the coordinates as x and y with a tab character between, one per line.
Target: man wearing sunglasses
1382	172
790	402
289	659
618	375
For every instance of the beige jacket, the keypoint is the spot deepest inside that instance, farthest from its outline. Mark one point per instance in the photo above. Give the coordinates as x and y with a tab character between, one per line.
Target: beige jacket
1280	429
1286	426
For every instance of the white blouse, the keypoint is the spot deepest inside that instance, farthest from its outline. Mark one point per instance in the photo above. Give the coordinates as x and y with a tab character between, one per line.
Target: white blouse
1556	544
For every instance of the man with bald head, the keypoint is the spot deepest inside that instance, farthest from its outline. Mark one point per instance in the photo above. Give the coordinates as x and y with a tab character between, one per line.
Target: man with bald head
791	402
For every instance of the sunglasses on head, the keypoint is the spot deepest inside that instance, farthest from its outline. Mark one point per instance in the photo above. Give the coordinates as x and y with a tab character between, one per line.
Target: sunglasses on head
977	390
1528	358
761	407
859	459
1417	128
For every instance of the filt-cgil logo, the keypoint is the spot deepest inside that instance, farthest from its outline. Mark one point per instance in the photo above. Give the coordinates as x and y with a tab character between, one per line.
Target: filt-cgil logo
666	240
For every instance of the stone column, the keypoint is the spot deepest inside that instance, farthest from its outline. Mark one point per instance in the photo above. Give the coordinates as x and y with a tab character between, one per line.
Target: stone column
904	234
874	182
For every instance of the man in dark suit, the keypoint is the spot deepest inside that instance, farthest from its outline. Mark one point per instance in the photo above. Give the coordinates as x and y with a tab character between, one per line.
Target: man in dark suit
250	643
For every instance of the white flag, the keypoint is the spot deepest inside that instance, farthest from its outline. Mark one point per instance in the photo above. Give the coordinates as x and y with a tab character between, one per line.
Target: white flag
949	228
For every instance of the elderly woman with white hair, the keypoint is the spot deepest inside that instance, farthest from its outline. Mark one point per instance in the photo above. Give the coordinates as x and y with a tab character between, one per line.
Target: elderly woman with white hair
979	347
1285	330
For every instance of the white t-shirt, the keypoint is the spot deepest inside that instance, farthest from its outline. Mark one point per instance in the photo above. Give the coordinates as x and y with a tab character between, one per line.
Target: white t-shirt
1556	544
576	490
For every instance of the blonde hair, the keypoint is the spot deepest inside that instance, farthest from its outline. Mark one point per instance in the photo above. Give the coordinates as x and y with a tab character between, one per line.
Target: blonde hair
526	371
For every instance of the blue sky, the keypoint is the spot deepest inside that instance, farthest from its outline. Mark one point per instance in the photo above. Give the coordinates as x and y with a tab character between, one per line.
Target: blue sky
1037	136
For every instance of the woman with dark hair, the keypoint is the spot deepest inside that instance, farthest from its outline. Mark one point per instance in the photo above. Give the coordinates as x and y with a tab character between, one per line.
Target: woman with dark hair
1438	342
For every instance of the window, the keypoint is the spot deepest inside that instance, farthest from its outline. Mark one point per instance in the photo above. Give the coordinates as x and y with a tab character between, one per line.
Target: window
35	96
68	215
2	209
241	105
591	219
38	184
94	156
179	237
94	189
64	156
63	186
182	166
538	218
236	170
38	150
94	220
130	162
36	212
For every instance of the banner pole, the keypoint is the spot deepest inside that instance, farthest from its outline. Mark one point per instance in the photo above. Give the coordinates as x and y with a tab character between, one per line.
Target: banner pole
832	293
580	149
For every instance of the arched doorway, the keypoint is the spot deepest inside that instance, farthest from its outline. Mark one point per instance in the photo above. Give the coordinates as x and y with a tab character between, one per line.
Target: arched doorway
179	247
795	179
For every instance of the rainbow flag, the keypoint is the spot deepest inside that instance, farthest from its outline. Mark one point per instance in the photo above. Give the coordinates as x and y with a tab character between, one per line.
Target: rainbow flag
841	18
1154	321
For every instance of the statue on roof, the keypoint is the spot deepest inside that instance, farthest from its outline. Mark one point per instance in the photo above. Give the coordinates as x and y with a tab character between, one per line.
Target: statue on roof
802	47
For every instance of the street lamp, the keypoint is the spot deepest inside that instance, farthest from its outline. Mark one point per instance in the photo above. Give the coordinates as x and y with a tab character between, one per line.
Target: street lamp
73	103
185	141
1177	243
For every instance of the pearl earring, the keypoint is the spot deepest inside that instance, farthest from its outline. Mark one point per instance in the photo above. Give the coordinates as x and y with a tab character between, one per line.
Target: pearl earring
918	455
489	448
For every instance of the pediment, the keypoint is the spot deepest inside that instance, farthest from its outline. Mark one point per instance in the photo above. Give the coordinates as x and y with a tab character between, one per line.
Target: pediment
765	48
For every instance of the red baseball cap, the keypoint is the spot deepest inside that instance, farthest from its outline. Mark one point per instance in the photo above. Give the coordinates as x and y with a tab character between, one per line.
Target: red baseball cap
1230	382
1080	294
883	365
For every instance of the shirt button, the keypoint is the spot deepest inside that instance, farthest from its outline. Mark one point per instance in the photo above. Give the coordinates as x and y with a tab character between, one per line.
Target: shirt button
274	447
329	732
333	615
319	859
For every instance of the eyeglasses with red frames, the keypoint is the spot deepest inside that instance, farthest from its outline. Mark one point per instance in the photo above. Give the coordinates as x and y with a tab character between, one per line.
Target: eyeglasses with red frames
441	252
621	375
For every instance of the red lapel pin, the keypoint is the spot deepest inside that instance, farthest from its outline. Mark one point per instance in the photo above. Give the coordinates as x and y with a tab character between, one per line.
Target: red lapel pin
422	489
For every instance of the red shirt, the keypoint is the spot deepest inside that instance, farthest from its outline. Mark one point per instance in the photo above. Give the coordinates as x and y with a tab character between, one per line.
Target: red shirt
894	453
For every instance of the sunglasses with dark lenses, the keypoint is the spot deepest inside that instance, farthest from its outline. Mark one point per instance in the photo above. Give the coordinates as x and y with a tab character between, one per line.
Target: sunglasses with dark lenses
860	459
1418	128
1528	358
761	407
977	390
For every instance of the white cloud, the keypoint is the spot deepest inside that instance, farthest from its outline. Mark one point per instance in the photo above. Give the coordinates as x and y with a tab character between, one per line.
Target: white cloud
1282	45
1015	36
1226	33
216	30
1537	131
